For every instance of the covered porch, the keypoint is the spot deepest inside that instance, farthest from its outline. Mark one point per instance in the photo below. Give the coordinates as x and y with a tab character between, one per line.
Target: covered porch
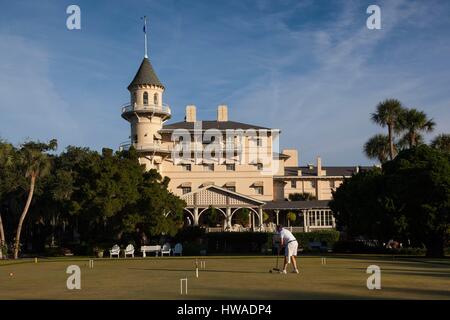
227	204
310	215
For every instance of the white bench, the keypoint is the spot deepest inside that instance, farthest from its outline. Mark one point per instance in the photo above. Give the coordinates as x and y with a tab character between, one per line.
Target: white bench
145	249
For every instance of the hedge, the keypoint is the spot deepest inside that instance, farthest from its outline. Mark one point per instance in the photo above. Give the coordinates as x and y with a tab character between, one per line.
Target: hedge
258	242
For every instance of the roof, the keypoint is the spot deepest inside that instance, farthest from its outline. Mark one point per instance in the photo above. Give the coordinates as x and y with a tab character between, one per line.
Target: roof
291	205
223	190
145	75
330	171
208	124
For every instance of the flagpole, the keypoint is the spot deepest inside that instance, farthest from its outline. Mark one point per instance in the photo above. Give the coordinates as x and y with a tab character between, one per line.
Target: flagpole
145	36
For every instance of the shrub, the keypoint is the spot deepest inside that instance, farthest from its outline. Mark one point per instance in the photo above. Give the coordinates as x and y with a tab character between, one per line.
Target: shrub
325	237
189	234
236	242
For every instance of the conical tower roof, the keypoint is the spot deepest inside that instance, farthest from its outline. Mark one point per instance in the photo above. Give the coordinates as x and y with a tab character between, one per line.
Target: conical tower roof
145	75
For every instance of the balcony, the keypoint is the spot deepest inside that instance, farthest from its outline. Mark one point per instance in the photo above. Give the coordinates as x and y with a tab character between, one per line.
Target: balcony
151	109
146	147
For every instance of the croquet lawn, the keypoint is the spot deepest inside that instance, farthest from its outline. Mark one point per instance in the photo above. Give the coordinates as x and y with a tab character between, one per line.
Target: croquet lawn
342	277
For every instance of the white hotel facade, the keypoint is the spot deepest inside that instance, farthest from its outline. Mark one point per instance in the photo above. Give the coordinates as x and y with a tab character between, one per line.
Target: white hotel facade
226	164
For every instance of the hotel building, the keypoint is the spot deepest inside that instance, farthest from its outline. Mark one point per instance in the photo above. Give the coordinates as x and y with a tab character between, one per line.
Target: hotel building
226	164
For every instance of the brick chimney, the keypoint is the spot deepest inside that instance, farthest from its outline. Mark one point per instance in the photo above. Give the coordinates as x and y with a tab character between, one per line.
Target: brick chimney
191	113
319	166
222	113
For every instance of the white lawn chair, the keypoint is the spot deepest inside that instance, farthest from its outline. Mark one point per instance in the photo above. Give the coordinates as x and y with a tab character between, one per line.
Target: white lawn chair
115	251
178	249
165	249
129	250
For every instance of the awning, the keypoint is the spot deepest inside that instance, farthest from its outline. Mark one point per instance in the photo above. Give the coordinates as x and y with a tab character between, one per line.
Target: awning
230	184
185	185
229	161
207	161
157	136
258	184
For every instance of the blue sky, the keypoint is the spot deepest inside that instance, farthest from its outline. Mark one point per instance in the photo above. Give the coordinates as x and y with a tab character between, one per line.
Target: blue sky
309	68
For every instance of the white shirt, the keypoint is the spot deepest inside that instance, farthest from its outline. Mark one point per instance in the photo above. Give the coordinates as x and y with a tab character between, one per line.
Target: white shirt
286	236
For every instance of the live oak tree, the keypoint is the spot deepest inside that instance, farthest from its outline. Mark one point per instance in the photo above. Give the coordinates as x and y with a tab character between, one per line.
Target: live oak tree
408	199
359	205
81	195
9	182
418	182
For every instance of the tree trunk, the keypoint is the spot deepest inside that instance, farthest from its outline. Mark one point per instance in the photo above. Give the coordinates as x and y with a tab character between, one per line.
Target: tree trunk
391	142
24	214
2	237
412	141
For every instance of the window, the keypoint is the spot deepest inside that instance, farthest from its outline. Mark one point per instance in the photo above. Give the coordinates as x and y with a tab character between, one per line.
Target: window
332	184
186	167
155	99
145	98
231	188
313	184
135	138
208	167
185	190
231	167
293	184
259	166
259	190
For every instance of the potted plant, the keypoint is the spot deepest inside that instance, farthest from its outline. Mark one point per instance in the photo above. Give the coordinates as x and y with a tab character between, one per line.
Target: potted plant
98	251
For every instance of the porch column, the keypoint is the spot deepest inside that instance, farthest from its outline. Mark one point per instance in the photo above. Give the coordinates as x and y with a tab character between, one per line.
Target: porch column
252	214
333	220
196	216
305	228
261	217
228	219
277	213
308	220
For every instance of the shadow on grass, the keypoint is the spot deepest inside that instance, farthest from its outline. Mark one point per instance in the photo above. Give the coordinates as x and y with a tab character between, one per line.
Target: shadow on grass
423	293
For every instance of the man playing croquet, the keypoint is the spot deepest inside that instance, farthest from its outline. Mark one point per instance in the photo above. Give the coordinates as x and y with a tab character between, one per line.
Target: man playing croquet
290	244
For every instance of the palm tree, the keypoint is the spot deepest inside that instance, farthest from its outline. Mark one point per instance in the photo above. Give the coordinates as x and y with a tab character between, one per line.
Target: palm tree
413	122
442	142
37	165
377	147
387	114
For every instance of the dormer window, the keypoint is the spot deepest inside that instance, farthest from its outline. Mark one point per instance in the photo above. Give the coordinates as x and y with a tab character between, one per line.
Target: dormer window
145	98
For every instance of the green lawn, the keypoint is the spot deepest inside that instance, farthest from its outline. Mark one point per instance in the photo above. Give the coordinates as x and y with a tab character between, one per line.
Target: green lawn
343	277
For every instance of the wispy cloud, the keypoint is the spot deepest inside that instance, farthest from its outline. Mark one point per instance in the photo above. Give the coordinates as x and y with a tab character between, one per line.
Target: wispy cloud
30	106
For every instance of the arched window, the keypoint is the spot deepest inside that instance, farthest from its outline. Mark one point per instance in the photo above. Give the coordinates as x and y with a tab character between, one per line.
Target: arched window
145	98
155	99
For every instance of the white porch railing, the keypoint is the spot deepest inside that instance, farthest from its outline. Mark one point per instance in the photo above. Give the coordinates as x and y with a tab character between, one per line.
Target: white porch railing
163	109
157	147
